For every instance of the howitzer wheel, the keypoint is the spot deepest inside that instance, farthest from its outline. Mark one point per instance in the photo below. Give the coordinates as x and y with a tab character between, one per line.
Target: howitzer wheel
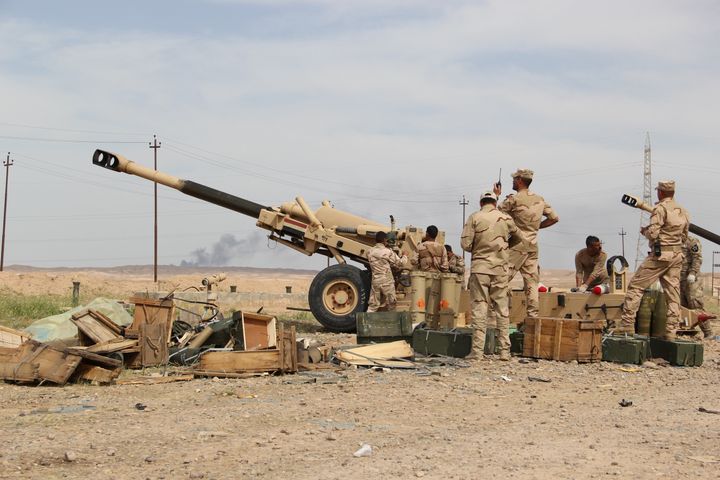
336	294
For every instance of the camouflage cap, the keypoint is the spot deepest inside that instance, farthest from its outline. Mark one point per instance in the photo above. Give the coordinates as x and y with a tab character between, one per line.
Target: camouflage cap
489	195
523	173
666	185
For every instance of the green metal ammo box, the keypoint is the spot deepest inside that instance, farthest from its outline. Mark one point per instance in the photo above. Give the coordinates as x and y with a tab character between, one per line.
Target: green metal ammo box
451	343
382	327
682	353
629	349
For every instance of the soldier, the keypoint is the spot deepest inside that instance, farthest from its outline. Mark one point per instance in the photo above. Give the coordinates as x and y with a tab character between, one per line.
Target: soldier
431	256
691	294
487	235
455	262
382	261
666	233
590	265
527	210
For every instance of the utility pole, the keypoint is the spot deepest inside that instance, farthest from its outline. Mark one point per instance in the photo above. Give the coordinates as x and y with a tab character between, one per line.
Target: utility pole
647	188
622	236
7	165
155	145
464	203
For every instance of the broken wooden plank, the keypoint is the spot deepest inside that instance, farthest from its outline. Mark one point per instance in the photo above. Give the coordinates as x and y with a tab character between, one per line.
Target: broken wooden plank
9	337
11	370
94	374
240	361
112	346
53	364
105	320
95	359
155	380
211	373
93	328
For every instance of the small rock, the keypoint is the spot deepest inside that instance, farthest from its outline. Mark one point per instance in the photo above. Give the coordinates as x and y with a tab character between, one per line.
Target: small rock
149	459
331	437
111	452
285	431
70	456
197	475
614	464
419	474
50	436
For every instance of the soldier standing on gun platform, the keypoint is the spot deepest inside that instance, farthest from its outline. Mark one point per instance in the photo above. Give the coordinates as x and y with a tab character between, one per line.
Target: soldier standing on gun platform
667	232
487	235
691	294
382	260
431	256
527	209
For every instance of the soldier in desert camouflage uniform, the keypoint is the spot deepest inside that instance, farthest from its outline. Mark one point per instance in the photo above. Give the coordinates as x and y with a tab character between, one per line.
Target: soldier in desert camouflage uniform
527	209
487	235
667	232
590	265
431	256
382	260
691	294
455	262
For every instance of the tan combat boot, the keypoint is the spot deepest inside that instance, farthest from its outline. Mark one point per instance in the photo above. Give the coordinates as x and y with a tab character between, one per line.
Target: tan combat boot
505	355
706	329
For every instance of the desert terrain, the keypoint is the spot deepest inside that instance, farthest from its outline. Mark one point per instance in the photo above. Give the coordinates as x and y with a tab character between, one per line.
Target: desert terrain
522	419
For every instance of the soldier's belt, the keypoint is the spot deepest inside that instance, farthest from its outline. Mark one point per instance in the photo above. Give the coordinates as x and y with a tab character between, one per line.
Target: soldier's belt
671	248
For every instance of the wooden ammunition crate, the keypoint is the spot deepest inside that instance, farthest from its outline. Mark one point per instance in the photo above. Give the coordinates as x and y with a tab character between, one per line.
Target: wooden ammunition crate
563	339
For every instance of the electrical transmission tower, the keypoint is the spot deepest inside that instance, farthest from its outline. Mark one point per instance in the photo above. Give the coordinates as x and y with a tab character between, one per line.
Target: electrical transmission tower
647	198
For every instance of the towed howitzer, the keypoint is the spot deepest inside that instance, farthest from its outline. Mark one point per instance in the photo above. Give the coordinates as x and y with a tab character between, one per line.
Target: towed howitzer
699	231
338	291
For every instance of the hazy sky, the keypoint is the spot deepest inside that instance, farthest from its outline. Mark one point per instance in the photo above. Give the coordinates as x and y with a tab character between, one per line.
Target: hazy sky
383	107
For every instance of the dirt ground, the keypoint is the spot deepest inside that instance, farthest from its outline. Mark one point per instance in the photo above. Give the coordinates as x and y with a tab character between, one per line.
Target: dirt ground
453	421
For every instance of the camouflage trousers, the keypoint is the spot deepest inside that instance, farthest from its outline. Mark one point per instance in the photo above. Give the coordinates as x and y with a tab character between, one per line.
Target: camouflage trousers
651	270
382	293
527	264
691	294
489	290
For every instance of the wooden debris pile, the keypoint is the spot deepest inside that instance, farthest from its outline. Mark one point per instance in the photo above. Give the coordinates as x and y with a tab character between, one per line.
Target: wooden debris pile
247	344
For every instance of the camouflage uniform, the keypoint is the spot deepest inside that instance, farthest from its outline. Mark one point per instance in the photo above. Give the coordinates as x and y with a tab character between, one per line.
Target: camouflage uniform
591	269
431	257
382	290
488	234
527	209
669	224
691	293
456	263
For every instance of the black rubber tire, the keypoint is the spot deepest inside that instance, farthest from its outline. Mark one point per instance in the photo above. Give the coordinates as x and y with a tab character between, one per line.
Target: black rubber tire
359	279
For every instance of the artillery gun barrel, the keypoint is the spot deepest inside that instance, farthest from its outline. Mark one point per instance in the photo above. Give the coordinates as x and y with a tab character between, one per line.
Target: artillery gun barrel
118	163
699	231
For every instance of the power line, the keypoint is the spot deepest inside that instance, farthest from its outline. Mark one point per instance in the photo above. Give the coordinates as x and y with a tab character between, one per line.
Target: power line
56	129
60	140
